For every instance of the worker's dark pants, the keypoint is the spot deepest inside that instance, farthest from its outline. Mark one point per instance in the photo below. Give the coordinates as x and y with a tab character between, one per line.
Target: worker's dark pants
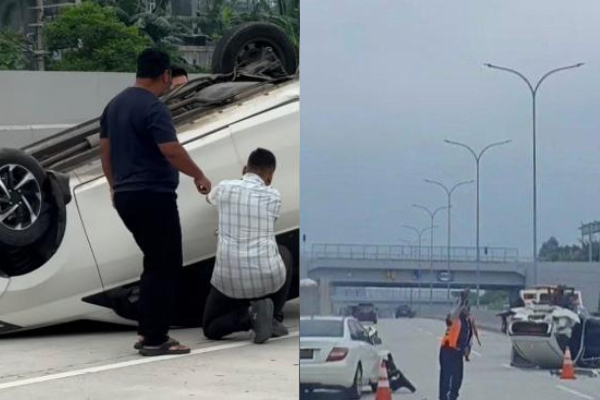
153	219
451	373
224	315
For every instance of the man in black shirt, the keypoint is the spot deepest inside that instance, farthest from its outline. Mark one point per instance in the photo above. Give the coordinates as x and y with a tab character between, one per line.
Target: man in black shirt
141	159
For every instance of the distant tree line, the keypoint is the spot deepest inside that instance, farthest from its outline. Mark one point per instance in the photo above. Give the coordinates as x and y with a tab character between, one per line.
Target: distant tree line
106	35
552	250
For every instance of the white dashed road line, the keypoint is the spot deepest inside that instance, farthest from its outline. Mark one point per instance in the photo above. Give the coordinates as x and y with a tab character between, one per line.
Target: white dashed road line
575	393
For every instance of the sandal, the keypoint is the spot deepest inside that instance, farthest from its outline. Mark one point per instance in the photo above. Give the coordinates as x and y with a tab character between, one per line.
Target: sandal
139	344
165	349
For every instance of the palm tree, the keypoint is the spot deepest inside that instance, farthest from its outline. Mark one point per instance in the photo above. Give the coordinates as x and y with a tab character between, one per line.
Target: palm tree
154	24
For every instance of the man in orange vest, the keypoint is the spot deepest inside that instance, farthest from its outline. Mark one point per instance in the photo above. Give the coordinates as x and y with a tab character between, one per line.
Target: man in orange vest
452	350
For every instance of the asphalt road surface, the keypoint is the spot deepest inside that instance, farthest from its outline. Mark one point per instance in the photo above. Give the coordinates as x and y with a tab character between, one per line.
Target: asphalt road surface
98	362
415	346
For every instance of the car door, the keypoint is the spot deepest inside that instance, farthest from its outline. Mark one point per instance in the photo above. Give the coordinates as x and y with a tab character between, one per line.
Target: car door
372	358
278	130
119	258
360	337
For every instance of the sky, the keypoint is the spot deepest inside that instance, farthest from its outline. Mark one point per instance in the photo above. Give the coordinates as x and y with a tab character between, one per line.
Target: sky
385	82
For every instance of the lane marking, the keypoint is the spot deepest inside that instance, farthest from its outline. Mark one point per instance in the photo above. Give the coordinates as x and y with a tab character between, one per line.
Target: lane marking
575	392
476	353
140	361
506	366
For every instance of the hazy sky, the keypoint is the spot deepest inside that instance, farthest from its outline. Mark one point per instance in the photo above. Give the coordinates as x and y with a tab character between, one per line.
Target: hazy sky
385	82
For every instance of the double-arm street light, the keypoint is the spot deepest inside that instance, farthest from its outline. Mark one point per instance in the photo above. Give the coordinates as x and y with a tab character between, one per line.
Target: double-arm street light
432	215
449	192
419	233
534	90
477	157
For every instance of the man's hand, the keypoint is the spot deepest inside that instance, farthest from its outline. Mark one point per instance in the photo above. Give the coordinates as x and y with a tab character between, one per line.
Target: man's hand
203	185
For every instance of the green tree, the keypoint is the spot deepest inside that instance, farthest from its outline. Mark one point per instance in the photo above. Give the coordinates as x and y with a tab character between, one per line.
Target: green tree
89	37
221	15
552	250
12	51
161	31
494	299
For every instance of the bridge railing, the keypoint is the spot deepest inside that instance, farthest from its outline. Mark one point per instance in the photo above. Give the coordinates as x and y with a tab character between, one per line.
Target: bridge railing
325	251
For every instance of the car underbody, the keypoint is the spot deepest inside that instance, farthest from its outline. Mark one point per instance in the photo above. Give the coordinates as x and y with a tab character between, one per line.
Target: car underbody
542	330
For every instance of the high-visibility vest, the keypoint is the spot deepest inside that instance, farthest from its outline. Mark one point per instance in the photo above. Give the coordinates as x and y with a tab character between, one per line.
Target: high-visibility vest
452	334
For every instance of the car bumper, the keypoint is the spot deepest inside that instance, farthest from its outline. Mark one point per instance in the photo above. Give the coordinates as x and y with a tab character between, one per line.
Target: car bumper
333	375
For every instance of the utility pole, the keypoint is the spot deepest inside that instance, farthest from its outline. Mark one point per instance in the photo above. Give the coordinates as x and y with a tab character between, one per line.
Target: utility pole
534	91
40	39
477	157
449	192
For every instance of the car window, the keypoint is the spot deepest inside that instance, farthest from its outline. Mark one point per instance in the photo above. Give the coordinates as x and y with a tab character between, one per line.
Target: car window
321	328
361	330
357	332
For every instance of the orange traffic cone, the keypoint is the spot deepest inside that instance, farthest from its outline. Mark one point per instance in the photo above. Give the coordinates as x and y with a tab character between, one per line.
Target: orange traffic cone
568	372
383	387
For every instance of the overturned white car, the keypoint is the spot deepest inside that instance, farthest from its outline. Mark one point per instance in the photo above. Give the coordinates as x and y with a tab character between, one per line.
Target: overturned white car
552	319
64	253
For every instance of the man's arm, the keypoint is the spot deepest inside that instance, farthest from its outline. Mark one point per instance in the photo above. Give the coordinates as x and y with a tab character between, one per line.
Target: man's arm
160	126
181	160
105	149
276	205
213	196
106	162
460	306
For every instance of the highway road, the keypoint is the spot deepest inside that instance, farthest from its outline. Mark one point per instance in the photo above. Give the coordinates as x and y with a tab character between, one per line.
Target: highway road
98	362
489	376
415	346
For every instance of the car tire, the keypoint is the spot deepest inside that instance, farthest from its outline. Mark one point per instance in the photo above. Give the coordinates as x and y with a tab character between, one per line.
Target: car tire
24	211
240	44
355	391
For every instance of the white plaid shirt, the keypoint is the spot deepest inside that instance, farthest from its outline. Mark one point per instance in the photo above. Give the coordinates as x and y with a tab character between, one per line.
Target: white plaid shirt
248	264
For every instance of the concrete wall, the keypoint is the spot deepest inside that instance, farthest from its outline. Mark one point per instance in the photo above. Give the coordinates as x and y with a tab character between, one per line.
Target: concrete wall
34	105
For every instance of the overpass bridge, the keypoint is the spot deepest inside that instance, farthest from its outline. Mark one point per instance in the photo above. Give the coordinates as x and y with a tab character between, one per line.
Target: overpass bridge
359	265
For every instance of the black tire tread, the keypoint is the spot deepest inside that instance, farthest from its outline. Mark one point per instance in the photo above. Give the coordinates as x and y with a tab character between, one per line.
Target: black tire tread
229	45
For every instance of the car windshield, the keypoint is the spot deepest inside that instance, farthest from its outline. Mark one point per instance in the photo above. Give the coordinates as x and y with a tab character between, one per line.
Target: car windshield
365	308
322	328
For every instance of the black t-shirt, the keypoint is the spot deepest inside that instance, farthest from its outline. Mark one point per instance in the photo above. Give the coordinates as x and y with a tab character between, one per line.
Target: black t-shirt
136	122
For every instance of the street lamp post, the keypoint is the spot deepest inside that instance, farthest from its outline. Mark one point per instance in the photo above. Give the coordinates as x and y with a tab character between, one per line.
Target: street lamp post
449	193
432	215
534	90
477	157
419	233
